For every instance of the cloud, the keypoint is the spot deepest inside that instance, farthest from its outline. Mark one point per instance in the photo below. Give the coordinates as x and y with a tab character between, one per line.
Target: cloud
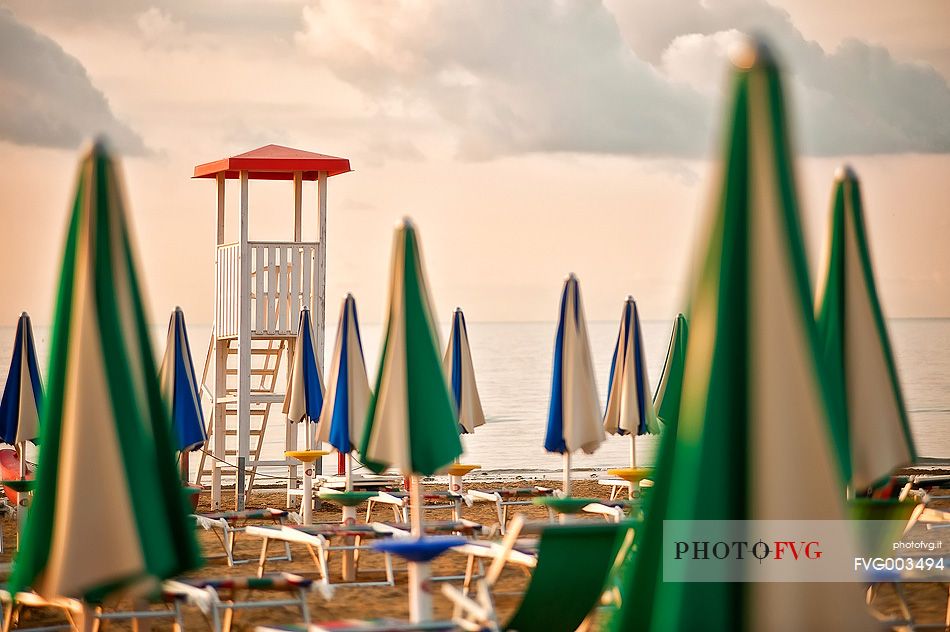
642	78
508	77
856	99
157	25
46	97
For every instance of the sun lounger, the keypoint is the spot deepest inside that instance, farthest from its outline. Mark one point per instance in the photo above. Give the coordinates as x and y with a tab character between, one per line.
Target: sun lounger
358	625
583	552
896	579
218	598
505	498
75	610
399	502
227	524
318	540
618	486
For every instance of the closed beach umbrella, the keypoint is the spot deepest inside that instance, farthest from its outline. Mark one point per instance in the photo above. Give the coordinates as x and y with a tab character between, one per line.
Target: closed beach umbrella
23	392
180	388
752	440
872	434
666	400
411	423
347	397
457	364
629	399
304	399
574	420
108	511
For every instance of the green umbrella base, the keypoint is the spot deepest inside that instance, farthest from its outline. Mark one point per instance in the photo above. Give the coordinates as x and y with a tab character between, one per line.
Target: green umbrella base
346	499
569	505
18	485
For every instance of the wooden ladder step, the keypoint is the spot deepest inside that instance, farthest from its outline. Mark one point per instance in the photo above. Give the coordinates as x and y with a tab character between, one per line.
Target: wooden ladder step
257	351
265	372
233	432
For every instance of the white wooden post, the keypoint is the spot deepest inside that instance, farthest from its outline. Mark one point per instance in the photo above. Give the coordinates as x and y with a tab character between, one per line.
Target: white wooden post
319	310
244	351
220	363
298	206
290	443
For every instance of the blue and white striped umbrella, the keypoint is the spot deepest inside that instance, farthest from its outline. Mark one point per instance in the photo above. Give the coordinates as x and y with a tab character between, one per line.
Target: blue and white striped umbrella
20	406
574	420
180	388
457	364
629	401
348	393
304	398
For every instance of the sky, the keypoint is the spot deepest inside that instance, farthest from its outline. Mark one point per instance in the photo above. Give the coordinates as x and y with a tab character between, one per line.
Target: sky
527	139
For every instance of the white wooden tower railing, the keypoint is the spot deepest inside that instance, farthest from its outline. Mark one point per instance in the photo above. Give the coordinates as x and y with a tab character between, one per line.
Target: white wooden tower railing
260	287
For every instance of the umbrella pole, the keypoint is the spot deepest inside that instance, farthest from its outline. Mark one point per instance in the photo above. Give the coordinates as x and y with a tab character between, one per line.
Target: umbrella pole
22	498
420	599
631	486
184	466
349	518
349	472
566	485
306	503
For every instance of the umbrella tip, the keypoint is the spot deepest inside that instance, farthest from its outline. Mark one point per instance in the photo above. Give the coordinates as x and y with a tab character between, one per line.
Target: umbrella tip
406	222
177	308
571	277
845	172
630	298
750	51
100	144
348	297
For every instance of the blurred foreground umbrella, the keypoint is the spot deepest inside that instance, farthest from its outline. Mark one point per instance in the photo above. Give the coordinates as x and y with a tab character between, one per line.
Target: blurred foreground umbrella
180	390
669	389
411	424
574	421
752	441
872	434
457	364
304	400
347	399
109	512
629	403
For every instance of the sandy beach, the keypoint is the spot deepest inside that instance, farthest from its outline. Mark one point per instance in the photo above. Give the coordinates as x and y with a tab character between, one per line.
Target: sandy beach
927	601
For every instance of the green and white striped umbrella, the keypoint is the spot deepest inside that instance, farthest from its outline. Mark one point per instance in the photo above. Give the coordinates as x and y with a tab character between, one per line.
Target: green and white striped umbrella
411	423
108	513
872	434
666	400
753	440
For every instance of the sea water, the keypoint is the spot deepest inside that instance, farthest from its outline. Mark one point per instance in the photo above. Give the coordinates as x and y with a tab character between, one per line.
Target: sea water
513	370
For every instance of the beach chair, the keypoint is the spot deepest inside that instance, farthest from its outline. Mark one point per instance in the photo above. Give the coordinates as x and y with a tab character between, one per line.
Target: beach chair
399	502
361	625
74	612
218	598
227	524
572	566
318	540
505	498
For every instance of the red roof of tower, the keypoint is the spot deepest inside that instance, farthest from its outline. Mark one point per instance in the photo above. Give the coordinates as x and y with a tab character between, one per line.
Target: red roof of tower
274	162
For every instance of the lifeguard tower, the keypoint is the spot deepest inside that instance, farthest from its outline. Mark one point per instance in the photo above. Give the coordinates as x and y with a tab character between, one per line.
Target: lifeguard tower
260	287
